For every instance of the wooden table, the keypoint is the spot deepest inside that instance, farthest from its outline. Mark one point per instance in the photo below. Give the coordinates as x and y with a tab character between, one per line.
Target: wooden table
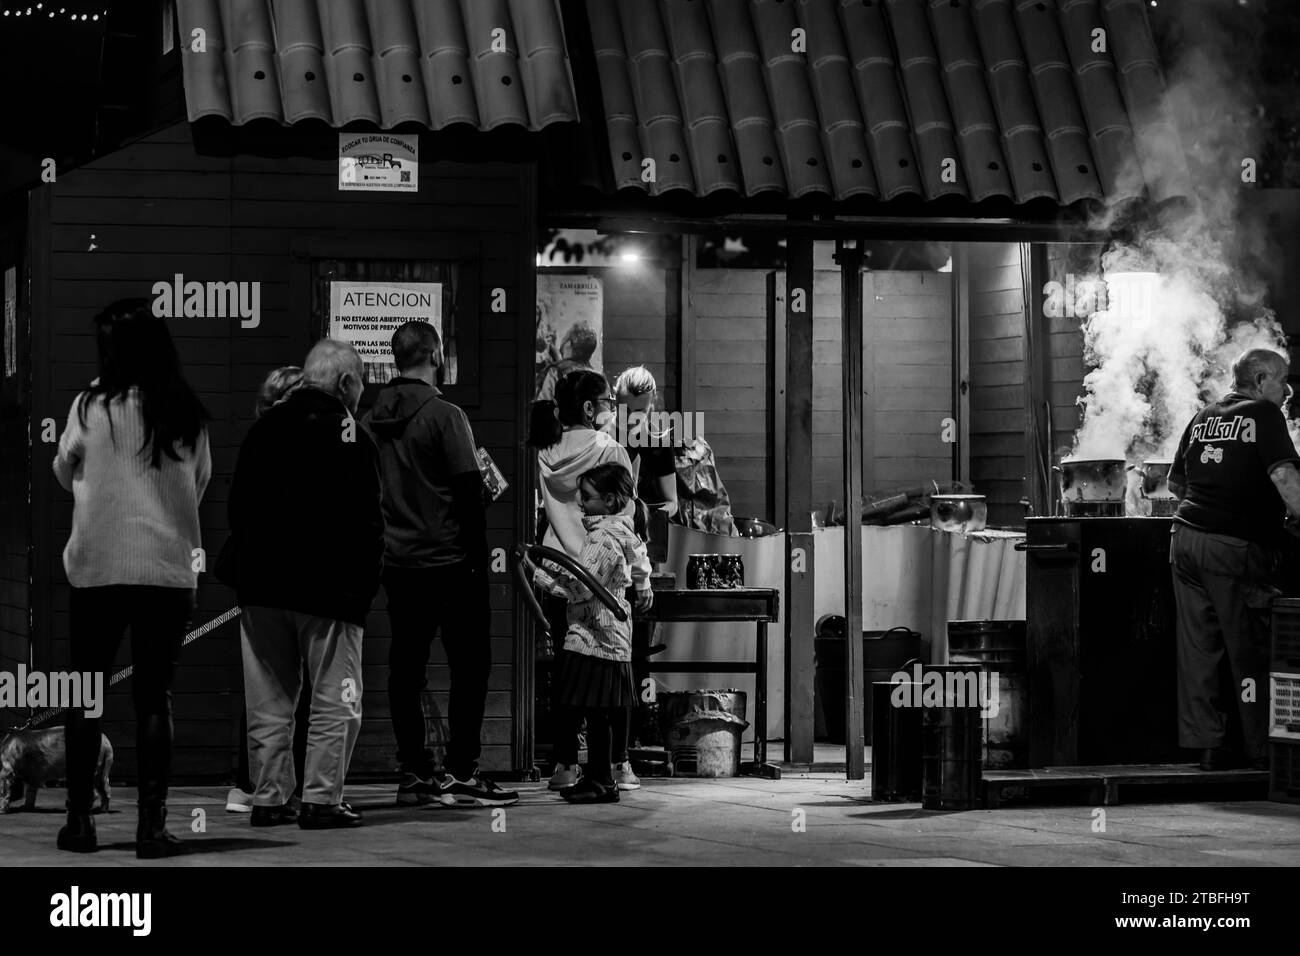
761	605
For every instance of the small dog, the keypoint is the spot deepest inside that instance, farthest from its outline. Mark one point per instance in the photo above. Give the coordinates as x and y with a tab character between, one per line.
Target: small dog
39	758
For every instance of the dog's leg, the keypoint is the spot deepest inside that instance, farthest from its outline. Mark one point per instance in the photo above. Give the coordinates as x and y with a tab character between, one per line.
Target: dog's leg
6	787
101	782
30	802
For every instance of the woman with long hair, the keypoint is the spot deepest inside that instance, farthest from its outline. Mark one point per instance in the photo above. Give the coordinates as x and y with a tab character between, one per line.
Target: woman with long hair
135	456
568	434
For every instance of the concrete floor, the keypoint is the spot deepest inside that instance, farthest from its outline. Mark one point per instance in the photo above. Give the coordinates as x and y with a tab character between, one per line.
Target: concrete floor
678	822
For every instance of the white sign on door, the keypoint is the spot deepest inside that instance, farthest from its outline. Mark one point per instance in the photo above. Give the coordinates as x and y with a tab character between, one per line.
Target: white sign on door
366	314
385	162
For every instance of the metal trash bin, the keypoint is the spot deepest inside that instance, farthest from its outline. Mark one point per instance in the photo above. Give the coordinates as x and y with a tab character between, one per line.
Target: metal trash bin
895	745
1001	649
952	744
701	730
883	653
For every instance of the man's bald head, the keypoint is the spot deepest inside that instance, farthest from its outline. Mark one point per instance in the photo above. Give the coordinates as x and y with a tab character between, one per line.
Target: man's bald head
1262	373
335	367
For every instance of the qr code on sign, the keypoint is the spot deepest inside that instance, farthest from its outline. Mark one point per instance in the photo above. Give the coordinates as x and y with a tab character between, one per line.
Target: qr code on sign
406	176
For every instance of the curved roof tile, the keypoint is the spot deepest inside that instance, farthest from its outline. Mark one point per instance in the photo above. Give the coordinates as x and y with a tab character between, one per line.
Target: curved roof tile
487	63
973	98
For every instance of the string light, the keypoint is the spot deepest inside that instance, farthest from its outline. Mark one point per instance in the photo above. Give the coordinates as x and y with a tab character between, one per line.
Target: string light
50	14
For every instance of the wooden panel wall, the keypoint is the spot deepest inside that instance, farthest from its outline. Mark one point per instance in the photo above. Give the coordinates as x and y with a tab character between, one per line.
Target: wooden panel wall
155	209
998	390
1068	369
15	510
908	337
730	309
908	357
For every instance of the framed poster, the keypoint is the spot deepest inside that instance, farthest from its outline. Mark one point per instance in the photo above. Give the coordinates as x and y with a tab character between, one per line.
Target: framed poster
570	319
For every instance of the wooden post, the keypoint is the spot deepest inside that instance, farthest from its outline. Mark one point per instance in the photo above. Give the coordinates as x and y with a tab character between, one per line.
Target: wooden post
1038	375
775	476
800	573
849	256
961	360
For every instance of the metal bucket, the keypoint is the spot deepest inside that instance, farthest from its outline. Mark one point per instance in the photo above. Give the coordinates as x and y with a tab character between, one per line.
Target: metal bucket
952	743
999	647
895	745
701	730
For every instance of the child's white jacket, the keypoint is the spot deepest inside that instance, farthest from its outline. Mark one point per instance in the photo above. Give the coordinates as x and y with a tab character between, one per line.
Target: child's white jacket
611	553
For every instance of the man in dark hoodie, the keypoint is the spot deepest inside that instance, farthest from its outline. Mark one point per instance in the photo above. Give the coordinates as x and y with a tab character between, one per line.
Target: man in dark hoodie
435	571
305	556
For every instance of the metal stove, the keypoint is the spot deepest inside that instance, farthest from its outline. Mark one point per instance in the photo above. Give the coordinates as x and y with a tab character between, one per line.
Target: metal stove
1102	656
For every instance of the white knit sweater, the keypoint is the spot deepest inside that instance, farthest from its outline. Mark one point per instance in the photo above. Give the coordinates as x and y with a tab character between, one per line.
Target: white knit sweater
131	523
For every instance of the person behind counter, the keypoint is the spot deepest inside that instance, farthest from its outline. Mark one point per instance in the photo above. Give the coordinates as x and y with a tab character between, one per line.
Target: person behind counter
650	451
568	436
1236	479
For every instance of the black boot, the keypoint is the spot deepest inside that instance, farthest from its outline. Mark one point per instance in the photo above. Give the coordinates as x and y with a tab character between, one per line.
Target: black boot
152	839
78	834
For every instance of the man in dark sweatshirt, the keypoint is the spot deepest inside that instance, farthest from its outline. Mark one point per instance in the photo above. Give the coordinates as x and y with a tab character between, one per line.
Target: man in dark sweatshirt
435	571
305	556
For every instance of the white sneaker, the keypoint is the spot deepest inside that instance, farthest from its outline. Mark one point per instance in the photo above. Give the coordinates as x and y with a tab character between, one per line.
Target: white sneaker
239	802
624	778
566	775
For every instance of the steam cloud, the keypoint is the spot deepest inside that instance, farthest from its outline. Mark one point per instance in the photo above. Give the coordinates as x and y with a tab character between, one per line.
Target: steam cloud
1155	367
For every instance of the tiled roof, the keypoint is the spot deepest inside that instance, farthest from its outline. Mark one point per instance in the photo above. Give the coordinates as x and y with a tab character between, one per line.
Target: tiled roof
430	62
1011	92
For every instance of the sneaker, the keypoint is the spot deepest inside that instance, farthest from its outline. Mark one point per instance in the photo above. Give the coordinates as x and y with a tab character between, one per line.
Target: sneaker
417	791
589	791
239	801
478	791
566	775
624	778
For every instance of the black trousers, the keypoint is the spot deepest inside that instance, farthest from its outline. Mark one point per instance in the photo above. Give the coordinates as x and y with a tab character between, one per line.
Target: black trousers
1224	587
566	722
301	719
158	619
604	724
452	601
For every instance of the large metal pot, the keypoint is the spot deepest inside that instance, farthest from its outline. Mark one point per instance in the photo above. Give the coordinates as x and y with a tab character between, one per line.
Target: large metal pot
1092	480
1155	478
958	512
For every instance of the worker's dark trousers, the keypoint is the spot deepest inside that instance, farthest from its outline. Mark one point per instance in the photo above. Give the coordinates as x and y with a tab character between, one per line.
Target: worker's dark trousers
1223	586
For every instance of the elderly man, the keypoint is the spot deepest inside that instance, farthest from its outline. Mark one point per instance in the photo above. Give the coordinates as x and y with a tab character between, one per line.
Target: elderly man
1235	473
307	538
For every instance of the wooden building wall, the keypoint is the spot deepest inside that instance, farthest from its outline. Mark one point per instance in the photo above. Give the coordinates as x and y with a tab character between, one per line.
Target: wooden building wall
999	396
15	400
155	209
1068	368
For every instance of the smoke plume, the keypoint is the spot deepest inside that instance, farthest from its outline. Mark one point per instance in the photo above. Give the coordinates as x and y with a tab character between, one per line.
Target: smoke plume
1158	358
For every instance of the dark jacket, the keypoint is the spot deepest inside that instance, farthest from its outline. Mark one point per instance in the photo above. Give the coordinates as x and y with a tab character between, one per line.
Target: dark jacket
307	533
433	489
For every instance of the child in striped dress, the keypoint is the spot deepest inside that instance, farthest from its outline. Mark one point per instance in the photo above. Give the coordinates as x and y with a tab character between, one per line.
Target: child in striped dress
596	678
